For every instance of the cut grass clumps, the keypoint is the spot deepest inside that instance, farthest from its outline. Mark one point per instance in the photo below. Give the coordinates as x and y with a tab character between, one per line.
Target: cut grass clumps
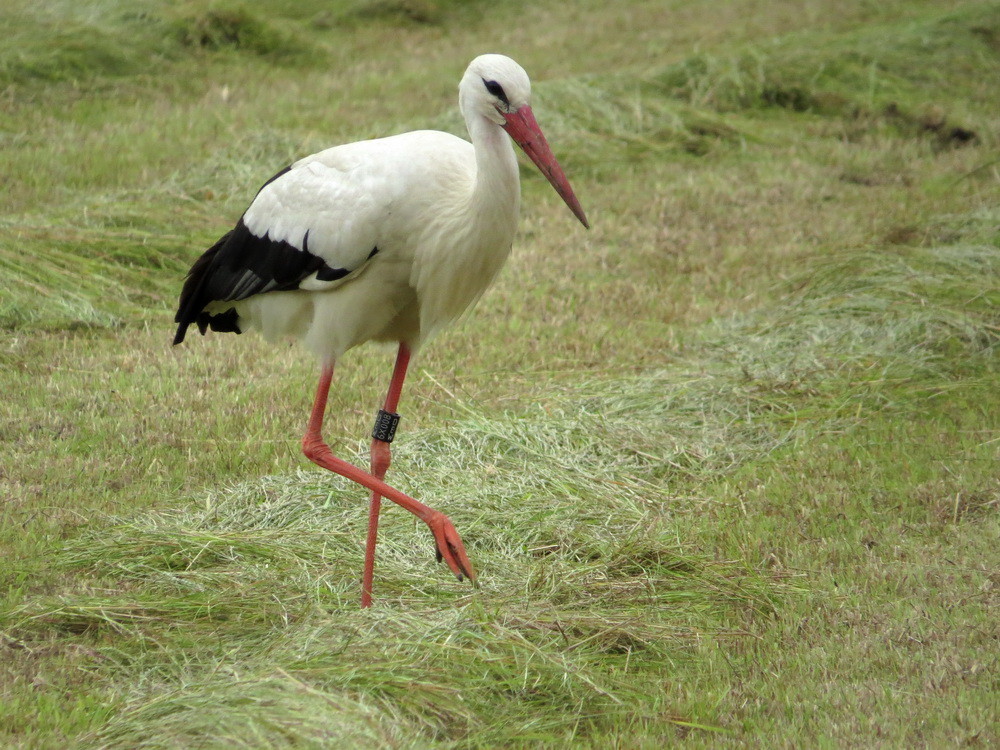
437	13
96	42
624	118
236	27
913	312
574	632
878	75
393	11
66	312
414	680
74	42
70	55
585	593
276	710
302	534
71	275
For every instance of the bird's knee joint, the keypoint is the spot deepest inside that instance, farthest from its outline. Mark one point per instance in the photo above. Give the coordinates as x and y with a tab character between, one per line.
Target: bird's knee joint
314	448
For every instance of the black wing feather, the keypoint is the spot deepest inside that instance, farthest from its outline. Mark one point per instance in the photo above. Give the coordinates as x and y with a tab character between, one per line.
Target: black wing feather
238	266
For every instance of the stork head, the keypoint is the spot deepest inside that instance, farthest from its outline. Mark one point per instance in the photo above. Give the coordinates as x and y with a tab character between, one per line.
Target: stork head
498	89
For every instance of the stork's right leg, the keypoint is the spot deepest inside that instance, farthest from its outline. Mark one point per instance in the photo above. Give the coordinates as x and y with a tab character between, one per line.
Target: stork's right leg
449	543
381	457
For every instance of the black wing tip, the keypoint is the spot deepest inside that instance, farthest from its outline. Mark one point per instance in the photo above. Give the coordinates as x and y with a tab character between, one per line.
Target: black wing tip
239	265
225	322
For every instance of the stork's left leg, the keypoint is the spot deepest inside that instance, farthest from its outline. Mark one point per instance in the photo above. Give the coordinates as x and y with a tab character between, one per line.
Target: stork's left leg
381	457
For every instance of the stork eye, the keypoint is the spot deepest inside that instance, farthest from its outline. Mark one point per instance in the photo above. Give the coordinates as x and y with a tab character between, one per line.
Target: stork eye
497	90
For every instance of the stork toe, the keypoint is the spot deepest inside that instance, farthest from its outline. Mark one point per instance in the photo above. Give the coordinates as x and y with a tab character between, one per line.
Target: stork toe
449	547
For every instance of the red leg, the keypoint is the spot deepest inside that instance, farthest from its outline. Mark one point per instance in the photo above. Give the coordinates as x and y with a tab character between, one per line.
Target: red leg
381	457
449	543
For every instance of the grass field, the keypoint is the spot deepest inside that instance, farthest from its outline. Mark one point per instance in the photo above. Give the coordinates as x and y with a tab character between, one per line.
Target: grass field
727	464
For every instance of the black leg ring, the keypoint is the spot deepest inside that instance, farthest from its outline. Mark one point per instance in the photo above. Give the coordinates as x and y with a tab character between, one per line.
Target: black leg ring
385	426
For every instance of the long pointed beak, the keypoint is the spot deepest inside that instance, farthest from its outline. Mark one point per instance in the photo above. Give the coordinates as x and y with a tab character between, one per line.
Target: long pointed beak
522	127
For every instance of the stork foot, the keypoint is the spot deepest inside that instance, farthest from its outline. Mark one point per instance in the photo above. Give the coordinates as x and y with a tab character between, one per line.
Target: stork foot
449	547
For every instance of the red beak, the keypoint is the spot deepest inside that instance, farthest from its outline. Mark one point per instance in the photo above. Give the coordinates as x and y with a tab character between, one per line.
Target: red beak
522	127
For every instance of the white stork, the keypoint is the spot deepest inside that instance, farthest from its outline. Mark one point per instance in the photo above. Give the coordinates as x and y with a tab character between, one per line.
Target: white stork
380	240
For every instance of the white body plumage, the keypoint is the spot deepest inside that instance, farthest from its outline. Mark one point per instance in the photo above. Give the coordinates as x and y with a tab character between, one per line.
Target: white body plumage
441	237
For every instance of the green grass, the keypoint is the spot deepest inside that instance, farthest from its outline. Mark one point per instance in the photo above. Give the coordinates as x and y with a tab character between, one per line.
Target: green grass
726	463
